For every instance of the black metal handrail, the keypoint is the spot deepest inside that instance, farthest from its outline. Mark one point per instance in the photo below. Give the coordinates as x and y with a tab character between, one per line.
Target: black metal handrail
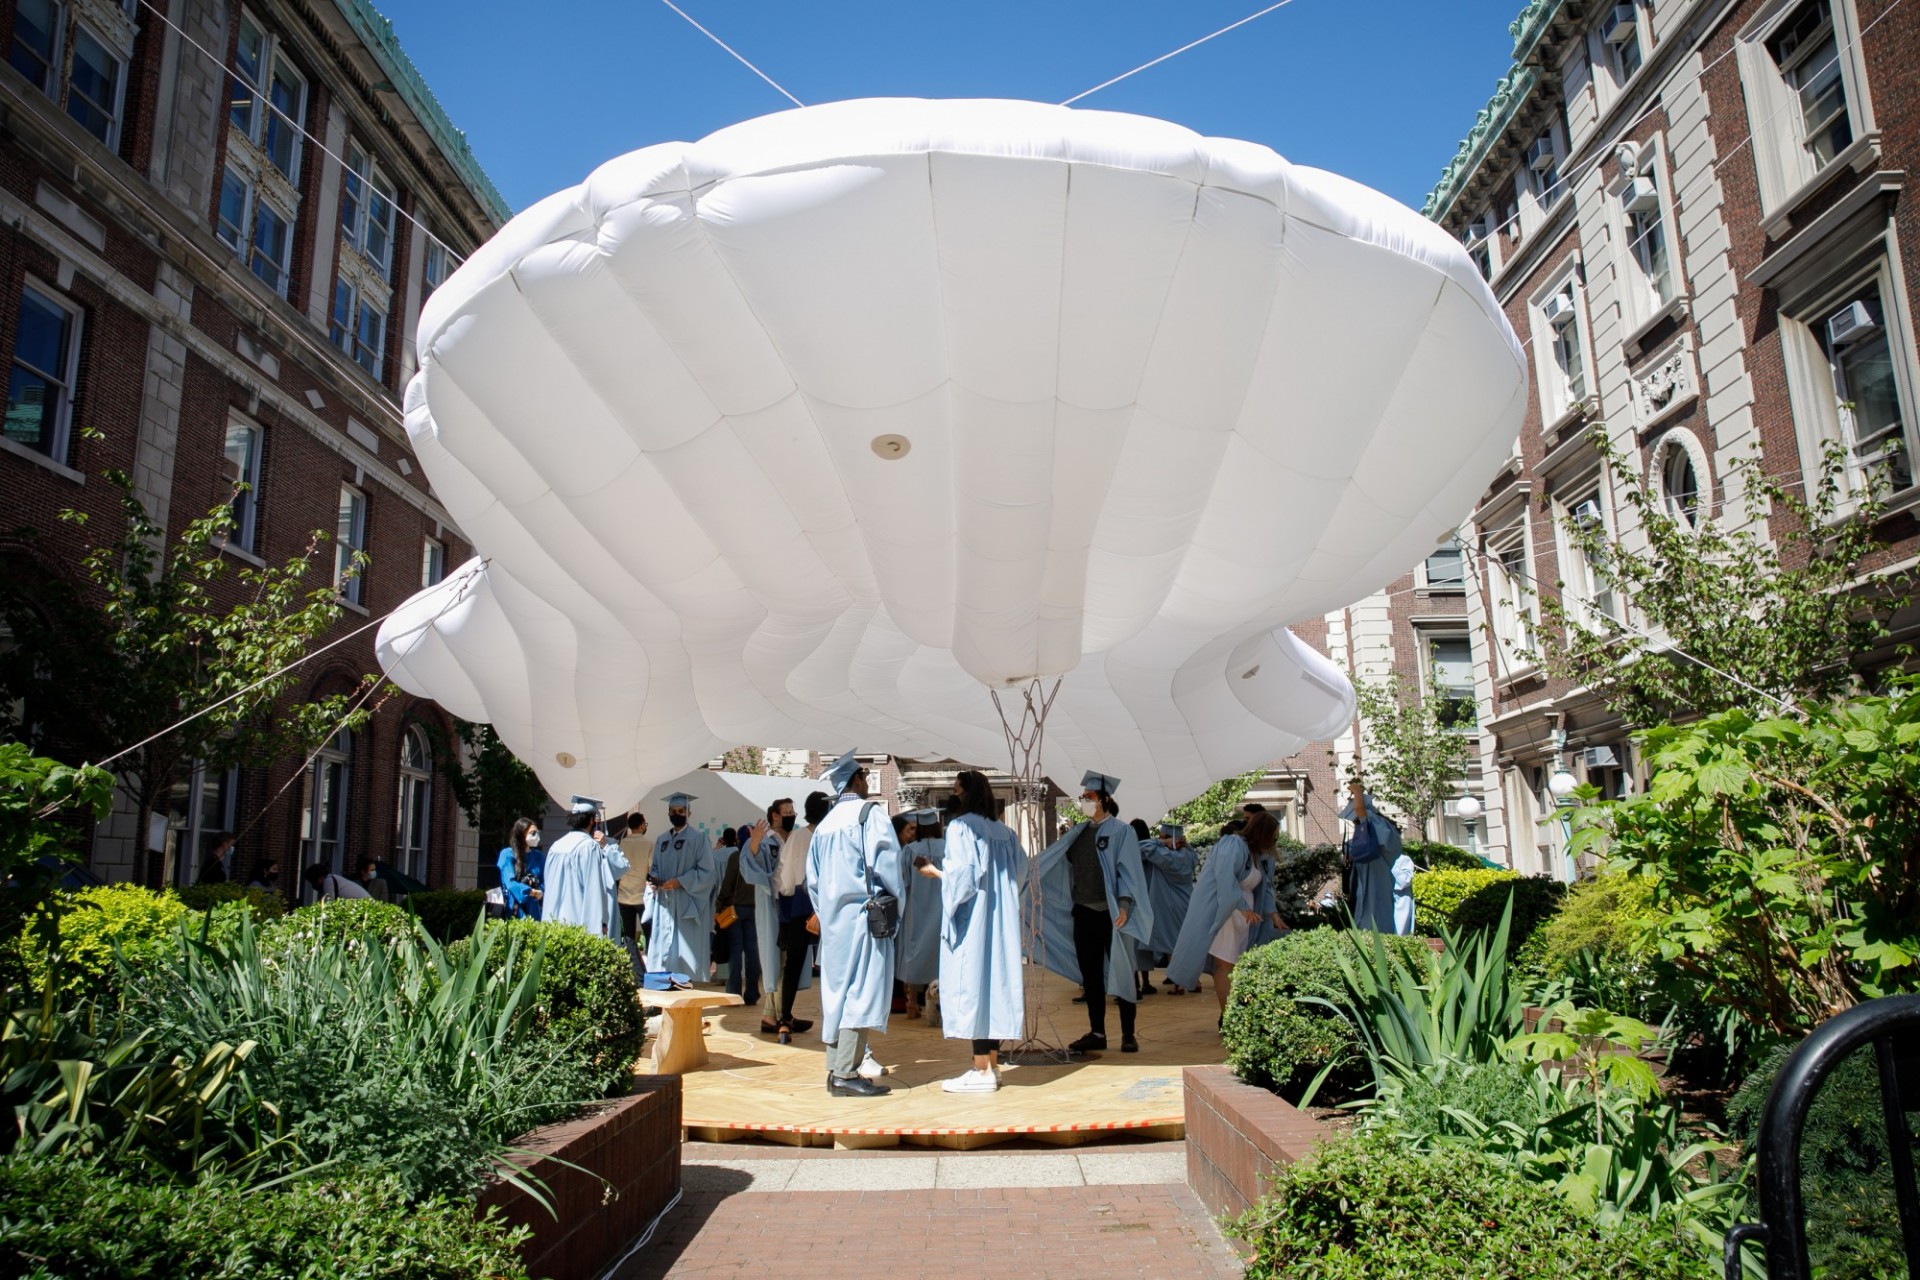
1892	1026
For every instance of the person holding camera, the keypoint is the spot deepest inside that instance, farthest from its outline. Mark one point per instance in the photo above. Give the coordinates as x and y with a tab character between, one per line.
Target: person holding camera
1372	852
521	864
856	881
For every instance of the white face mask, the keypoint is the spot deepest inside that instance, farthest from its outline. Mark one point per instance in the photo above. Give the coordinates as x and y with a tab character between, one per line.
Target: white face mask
533	839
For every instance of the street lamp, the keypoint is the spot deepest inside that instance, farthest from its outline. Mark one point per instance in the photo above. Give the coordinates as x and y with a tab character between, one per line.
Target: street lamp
1562	784
1469	811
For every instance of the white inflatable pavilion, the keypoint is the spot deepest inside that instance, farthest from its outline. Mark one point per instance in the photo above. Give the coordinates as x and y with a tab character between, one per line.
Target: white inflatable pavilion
814	431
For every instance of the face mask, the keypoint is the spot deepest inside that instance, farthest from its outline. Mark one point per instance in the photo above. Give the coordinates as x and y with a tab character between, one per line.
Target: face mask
533	839
786	823
678	820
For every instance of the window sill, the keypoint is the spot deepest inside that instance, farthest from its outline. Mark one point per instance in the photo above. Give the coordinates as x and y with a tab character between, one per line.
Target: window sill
245	557
353	606
1676	309
1444	589
39	459
1862	154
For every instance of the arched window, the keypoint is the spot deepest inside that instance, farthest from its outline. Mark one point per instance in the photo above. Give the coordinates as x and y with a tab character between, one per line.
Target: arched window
1679	477
323	807
416	803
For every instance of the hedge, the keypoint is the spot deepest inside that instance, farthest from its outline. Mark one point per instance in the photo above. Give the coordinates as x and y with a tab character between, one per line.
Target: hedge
447	914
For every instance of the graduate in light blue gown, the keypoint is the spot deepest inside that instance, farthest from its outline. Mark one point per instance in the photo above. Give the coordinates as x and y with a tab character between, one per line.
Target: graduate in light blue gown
522	865
759	857
1096	911
1372	850
684	877
1170	865
850	854
1231	909
581	871
982	986
919	963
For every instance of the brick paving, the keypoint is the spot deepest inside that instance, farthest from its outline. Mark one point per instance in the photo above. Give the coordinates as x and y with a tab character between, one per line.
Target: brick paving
1063	1217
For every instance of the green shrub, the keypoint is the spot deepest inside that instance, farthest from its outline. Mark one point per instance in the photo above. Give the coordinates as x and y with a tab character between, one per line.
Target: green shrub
88	925
588	1000
76	1221
1438	894
1274	1035
1437	857
1366	1207
447	914
1846	1180
336	921
1601	915
1534	900
390	1057
266	903
1298	873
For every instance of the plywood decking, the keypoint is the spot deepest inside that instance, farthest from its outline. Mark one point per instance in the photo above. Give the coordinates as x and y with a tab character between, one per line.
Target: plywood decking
753	1087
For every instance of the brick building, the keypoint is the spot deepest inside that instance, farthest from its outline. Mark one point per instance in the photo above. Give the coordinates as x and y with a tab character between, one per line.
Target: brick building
221	221
1693	213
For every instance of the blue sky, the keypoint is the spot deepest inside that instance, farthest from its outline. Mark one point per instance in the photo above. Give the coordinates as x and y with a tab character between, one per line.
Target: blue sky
1379	90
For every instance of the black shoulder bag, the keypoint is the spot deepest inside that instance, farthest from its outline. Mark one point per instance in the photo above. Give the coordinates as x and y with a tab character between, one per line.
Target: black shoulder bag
882	908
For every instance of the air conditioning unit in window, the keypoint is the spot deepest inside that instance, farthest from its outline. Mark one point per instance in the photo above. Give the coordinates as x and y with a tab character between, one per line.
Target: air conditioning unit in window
1558	310
1641	196
1541	154
1586	513
1853	322
1617	26
1477	234
1600	757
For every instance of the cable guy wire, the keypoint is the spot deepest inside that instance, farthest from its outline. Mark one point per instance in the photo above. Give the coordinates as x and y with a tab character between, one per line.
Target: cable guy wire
736	53
1143	66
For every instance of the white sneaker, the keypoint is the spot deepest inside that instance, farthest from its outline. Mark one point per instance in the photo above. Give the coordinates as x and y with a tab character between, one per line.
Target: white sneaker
974	1081
870	1068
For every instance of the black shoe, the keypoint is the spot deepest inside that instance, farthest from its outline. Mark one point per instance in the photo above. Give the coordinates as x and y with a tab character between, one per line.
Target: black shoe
1092	1042
1129	1045
800	1024
1147	991
769	1028
1081	998
855	1087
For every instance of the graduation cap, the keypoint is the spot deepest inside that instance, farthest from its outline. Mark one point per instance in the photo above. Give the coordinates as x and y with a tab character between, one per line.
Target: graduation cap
1172	830
680	800
1100	782
585	804
841	771
925	817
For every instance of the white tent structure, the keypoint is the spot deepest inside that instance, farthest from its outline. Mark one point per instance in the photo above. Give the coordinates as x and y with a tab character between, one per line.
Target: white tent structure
723	799
816	431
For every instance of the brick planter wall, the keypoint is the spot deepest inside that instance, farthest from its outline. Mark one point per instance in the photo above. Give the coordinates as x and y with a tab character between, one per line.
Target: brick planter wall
633	1143
1237	1135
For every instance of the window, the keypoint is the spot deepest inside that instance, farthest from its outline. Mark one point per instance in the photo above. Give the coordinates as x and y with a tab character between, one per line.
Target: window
1446	568
1623	40
243	459
1539	185
46	362
1805	88
415	811
200	809
1588	591
323	803
1450	674
367	209
1855	340
1510	586
1650	278
440	263
268	100
350	541
1808	57
72	64
433	562
259	196
1560	333
359	328
1479	242
1676	475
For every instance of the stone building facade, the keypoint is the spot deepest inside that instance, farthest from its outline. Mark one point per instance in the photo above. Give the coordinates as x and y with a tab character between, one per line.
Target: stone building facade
1694	214
221	220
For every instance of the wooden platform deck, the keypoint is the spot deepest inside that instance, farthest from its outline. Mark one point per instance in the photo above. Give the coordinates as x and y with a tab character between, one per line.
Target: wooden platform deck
756	1088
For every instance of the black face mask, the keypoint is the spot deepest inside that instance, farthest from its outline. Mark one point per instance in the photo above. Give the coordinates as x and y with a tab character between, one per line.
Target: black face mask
786	823
678	820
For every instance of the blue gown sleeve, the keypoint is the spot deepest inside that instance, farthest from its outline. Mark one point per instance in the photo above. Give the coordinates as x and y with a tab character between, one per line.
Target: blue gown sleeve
515	890
757	865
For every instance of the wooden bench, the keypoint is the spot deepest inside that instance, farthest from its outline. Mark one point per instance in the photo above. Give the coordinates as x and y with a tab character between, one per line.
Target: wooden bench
680	1046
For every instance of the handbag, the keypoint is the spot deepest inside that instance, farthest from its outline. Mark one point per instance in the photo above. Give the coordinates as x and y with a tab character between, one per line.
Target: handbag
725	917
882	907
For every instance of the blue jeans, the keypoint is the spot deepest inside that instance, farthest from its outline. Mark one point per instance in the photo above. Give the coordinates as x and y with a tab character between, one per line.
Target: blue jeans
743	956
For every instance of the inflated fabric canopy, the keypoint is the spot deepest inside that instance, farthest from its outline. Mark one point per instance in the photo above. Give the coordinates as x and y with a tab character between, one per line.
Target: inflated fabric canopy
811	432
